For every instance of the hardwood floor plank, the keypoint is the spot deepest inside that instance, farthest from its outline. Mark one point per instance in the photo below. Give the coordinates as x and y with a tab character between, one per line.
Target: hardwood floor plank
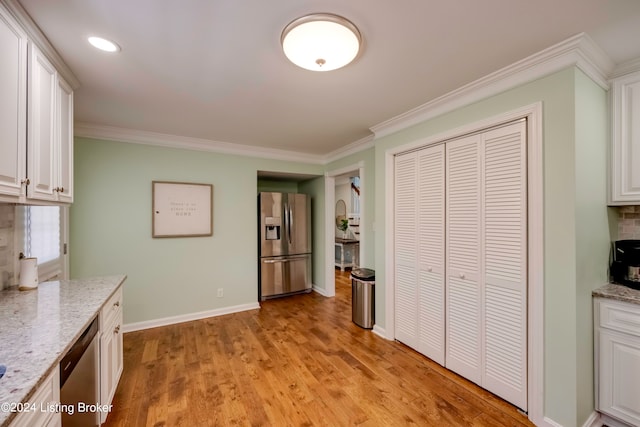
298	361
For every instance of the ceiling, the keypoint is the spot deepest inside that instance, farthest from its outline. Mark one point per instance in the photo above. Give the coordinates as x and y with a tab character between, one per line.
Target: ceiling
214	69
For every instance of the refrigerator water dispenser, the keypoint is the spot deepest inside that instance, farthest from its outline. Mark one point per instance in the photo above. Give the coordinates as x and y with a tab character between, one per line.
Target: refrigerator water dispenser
272	228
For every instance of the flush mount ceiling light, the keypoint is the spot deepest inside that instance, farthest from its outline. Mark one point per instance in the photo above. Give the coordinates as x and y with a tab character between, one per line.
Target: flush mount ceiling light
103	44
321	42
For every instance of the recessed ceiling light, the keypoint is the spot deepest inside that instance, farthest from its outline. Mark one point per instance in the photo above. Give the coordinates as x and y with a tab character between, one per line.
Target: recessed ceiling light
103	44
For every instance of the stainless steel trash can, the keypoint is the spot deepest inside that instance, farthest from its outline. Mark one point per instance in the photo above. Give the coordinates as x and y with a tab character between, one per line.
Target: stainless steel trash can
363	281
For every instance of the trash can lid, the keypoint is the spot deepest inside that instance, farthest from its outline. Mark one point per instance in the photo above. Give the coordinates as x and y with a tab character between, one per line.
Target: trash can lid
365	274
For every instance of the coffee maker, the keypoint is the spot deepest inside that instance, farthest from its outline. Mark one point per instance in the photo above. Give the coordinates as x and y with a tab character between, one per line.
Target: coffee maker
625	265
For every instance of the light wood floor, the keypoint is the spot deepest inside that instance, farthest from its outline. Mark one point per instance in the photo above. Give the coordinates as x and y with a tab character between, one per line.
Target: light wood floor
298	361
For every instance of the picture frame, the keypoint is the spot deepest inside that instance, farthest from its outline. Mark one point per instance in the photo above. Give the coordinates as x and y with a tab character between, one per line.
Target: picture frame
181	209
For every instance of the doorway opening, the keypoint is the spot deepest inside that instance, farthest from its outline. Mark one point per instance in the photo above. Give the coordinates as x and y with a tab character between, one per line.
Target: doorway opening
345	237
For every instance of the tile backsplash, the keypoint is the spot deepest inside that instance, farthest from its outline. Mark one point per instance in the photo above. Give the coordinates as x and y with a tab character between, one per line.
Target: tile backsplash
7	229
629	222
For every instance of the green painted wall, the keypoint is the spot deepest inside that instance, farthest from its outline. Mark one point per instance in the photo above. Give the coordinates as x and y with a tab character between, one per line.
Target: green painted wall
593	238
111	227
559	94
277	186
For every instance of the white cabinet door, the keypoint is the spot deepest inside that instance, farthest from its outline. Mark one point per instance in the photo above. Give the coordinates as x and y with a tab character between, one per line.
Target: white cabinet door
431	247
463	258
13	105
111	360
405	248
625	149
47	393
619	363
64	140
41	145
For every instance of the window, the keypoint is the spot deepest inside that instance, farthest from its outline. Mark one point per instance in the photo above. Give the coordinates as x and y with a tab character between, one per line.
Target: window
42	230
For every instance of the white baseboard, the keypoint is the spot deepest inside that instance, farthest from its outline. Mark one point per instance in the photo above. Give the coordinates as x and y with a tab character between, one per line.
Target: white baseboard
321	291
611	422
381	332
594	420
148	324
548	422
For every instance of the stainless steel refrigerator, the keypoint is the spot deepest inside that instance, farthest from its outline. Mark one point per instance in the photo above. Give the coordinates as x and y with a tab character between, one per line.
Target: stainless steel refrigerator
285	244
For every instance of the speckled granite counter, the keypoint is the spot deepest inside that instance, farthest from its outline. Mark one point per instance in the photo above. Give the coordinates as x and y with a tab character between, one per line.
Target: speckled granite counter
618	292
38	327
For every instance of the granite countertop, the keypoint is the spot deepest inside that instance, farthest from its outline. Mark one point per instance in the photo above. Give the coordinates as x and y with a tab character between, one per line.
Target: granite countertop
618	292
38	327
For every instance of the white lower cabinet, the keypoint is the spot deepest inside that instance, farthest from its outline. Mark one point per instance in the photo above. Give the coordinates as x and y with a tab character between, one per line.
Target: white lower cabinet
111	356
617	348
42	405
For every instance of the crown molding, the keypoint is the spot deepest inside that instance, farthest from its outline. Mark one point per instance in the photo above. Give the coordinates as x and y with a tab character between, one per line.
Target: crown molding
352	148
626	68
36	36
110	133
579	50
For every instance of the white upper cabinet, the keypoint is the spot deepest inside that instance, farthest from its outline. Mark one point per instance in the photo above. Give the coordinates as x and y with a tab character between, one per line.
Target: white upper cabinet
64	110
41	143
36	119
50	137
13	105
625	149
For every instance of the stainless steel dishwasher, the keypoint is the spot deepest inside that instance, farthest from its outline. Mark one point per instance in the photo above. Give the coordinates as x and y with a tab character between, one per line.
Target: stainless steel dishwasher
79	387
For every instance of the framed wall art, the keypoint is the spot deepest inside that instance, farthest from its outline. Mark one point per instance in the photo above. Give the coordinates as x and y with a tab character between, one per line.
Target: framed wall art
182	209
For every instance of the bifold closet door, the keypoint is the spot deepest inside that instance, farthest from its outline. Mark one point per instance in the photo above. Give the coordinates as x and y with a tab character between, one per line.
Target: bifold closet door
504	269
419	251
431	252
486	271
463	258
405	249
460	251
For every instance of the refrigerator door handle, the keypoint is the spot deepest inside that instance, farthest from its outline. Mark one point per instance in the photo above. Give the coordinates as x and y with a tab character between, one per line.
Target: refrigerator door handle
273	261
290	222
287	259
287	215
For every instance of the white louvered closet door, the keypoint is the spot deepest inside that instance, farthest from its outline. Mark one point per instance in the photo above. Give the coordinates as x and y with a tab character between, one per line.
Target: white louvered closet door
505	263
463	258
430	194
405	248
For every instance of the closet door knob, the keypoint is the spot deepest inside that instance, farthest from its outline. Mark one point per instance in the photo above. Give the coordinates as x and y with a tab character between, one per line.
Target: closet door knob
462	275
